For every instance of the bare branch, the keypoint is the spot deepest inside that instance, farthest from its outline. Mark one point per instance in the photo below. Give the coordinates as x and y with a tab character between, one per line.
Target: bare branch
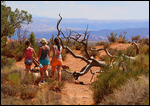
76	56
137	48
105	51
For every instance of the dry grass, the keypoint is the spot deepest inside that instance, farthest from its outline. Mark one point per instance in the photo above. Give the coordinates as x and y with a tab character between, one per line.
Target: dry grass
134	92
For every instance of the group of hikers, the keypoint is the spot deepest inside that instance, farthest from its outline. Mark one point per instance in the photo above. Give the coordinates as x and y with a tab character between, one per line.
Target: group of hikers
44	57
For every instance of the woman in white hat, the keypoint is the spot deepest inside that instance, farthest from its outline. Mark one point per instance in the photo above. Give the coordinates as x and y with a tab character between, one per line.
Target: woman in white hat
44	56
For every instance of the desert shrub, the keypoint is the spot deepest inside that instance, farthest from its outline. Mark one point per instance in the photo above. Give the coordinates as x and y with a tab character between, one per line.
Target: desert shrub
47	97
19	52
67	77
112	37
122	38
144	41
9	50
134	92
6	62
113	76
10	100
136	38
113	51
27	92
4	77
14	78
130	51
144	49
9	90
28	79
106	83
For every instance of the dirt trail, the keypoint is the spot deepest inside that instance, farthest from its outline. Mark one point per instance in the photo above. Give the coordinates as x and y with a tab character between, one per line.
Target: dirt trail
77	94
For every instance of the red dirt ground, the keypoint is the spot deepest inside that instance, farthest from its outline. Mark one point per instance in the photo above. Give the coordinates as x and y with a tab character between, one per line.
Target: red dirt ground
77	94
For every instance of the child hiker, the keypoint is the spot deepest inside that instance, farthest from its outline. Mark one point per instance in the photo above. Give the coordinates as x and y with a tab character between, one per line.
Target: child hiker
57	59
43	58
28	53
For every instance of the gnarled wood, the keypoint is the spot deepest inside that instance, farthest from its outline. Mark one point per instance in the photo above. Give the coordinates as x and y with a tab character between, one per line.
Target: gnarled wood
89	60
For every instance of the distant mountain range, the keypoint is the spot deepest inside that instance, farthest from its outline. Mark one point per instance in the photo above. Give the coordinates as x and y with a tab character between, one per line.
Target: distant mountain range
45	27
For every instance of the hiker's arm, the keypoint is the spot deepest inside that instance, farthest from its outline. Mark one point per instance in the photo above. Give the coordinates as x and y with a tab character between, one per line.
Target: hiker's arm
34	53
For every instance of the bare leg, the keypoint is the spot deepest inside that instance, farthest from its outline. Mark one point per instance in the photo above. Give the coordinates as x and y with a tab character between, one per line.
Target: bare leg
53	71
45	68
41	73
28	67
59	73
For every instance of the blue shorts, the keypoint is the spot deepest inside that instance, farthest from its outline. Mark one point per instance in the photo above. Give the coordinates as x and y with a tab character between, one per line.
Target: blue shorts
28	61
44	62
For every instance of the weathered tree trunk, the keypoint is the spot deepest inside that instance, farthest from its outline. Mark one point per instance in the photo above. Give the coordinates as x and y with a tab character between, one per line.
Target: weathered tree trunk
89	60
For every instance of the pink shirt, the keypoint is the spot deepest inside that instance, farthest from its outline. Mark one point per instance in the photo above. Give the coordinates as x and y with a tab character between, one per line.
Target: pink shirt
28	53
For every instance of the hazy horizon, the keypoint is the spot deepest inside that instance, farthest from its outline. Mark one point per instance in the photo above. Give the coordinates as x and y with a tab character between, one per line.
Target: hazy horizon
92	10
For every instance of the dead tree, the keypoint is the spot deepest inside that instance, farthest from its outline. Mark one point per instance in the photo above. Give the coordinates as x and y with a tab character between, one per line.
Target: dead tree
90	60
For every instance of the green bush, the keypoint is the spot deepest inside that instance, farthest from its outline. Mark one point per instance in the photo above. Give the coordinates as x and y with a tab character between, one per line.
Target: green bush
19	52
112	37
136	38
130	51
134	92
113	51
6	62
47	97
10	100
9	50
28	79
9	90
106	83
144	49
14	79
67	77
28	92
144	41
113	76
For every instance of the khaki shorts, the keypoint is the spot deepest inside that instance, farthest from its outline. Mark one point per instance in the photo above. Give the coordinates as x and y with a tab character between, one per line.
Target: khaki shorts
57	62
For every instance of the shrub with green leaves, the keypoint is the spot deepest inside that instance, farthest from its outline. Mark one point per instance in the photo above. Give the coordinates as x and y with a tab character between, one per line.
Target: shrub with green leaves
134	92
28	92
47	97
9	50
10	100
144	49
28	79
136	38
114	76
14	79
19	52
112	37
6	62
130	51
9	90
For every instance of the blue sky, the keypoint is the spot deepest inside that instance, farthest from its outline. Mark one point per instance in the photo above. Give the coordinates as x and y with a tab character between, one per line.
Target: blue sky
95	10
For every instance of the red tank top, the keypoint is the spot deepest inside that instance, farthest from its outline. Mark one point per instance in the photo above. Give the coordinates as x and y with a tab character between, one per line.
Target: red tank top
28	53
